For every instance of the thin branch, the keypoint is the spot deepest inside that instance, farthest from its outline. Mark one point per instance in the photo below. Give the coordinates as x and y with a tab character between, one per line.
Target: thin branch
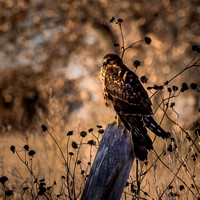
133	44
137	179
122	36
175	174
190	65
75	168
65	161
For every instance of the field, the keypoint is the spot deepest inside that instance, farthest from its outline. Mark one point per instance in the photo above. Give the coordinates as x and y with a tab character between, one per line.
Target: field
52	113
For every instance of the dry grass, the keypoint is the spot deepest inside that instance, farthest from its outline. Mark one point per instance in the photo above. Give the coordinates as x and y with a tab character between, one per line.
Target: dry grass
43	44
173	174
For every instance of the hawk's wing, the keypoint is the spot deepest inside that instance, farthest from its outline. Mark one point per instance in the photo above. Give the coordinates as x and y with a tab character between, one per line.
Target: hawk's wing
125	89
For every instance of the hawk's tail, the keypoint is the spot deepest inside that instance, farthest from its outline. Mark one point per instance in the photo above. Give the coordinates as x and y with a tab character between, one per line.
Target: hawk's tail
137	124
142	143
155	128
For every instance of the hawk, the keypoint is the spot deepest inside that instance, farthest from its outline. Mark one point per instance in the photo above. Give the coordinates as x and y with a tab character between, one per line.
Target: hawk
123	89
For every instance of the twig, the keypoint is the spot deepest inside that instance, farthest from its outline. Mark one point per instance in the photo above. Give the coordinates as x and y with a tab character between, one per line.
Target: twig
175	175
75	168
187	67
137	179
122	36
29	169
65	161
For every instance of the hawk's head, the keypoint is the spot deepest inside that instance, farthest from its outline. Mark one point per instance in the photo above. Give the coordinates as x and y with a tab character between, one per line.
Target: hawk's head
112	59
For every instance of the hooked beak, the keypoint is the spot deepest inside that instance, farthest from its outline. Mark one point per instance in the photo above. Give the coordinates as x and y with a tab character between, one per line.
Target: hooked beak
105	62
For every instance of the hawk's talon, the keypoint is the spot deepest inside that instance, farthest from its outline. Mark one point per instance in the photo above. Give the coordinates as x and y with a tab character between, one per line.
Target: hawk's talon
116	121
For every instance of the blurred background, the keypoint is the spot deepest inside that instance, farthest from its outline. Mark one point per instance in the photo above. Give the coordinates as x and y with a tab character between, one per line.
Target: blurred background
51	53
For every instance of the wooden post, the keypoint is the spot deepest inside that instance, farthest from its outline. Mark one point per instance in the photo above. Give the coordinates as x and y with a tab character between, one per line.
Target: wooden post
111	166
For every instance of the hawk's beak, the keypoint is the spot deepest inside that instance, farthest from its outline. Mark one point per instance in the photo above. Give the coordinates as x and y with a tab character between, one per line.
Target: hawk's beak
105	62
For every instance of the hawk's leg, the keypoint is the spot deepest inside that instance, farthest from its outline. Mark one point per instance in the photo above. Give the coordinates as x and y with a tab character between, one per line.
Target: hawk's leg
116	121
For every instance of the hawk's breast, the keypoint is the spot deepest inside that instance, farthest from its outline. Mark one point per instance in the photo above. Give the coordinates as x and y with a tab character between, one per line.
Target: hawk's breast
107	97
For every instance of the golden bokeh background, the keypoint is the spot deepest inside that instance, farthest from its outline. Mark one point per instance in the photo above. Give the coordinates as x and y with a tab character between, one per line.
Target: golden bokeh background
50	58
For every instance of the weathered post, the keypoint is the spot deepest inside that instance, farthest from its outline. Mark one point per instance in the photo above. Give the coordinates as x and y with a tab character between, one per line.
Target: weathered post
111	166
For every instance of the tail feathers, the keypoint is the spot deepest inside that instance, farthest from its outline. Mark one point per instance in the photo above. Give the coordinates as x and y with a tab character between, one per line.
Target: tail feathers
155	128
140	152
142	143
137	124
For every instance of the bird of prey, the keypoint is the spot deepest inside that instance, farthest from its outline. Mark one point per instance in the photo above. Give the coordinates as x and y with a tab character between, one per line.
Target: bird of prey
123	89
